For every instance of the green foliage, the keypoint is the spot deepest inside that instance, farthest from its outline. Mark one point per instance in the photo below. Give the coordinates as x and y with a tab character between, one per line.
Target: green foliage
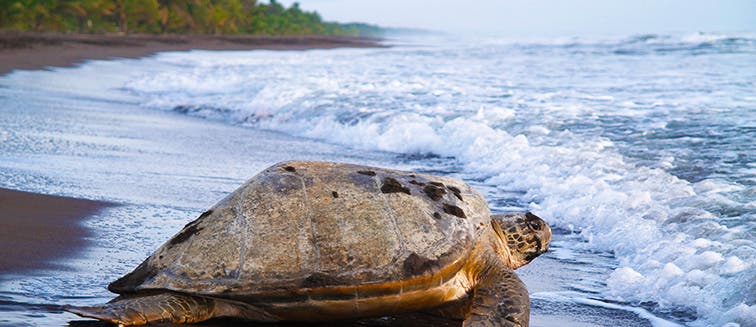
362	29
170	16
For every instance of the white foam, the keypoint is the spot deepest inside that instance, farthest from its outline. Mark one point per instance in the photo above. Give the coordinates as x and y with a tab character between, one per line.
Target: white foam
626	279
734	265
710	37
579	298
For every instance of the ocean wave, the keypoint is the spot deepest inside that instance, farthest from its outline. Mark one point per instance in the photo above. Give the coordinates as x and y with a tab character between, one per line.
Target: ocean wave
560	147
642	44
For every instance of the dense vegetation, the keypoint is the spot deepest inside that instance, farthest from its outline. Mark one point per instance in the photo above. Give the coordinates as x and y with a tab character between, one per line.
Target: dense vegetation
170	16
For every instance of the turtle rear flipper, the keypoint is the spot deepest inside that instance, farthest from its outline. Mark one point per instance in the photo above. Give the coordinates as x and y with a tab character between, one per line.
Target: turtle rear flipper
161	307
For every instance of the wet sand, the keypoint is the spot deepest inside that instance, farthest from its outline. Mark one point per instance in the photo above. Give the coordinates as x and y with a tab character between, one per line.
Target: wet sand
25	50
37	229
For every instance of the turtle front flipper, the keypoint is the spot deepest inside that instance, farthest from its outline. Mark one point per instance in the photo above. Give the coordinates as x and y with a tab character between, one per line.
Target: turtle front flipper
144	309
499	299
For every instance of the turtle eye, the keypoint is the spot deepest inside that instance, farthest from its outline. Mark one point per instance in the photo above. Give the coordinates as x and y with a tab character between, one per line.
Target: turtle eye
533	221
534	225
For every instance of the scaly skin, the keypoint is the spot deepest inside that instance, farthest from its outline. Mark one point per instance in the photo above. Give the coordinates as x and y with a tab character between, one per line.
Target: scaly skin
161	307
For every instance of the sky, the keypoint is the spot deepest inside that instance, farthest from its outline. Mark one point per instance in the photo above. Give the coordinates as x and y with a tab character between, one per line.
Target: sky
546	17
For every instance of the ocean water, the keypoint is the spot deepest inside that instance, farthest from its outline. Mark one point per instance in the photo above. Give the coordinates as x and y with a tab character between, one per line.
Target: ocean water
638	150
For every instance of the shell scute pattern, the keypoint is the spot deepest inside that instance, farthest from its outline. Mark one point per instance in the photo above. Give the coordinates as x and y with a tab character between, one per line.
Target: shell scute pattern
313	224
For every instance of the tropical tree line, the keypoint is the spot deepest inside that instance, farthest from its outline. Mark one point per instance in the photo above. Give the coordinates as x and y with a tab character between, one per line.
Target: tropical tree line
170	16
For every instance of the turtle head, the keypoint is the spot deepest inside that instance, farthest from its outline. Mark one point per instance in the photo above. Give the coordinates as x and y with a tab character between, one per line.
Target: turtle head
525	235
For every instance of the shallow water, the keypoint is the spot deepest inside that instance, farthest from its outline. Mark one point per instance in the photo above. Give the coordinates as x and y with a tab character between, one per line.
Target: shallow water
638	150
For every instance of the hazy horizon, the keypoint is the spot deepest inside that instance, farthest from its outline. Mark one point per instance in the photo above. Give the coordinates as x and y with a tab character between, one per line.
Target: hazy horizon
545	18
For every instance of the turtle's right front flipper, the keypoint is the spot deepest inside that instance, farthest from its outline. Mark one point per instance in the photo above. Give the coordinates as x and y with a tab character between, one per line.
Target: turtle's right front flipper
162	307
499	299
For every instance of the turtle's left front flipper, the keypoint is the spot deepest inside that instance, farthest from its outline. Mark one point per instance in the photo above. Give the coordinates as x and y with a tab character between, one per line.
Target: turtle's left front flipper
162	307
500	299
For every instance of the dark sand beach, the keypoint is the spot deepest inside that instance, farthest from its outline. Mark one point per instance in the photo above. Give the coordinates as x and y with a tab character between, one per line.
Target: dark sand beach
36	229
24	50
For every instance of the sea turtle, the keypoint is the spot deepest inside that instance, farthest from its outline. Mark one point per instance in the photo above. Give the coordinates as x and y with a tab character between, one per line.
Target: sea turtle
320	241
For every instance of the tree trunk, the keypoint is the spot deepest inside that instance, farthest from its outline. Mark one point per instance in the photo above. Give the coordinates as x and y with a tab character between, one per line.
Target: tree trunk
123	23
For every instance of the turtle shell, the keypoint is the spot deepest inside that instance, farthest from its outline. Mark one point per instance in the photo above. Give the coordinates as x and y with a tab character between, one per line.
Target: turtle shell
300	225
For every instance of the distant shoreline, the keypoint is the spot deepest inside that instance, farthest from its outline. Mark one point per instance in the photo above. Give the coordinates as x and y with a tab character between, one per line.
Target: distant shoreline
30	50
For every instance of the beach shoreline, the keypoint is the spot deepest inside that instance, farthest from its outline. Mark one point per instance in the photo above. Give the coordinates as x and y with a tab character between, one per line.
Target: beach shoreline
32	50
36	230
